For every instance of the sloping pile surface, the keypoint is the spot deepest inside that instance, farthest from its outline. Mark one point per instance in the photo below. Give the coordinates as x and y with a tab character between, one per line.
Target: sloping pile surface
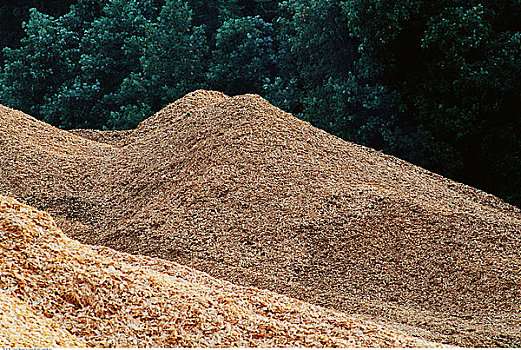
246	192
107	298
21	327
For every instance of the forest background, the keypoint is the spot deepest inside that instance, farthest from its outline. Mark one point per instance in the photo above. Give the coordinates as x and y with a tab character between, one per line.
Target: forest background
437	83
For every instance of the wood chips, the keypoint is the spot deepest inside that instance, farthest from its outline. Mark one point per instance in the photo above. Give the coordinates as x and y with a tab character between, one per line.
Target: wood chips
106	298
20	326
248	193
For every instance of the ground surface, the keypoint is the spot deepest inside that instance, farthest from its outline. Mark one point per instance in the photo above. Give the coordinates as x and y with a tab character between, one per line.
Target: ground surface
246	192
83	295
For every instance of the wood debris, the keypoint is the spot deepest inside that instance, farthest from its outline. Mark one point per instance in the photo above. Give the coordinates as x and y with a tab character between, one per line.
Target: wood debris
111	299
21	327
248	193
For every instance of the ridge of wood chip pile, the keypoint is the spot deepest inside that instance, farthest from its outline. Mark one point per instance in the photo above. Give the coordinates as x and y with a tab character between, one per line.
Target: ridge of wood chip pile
248	193
107	298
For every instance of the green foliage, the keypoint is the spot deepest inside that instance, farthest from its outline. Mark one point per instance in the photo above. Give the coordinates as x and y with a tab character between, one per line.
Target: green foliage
110	54
171	63
34	72
173	60
324	80
14	13
110	70
456	67
244	56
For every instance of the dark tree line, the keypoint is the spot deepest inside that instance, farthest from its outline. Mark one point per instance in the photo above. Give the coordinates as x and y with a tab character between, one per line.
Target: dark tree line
436	83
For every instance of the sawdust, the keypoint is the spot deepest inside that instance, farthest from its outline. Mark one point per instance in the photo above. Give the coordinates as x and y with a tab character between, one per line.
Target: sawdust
246	192
111	299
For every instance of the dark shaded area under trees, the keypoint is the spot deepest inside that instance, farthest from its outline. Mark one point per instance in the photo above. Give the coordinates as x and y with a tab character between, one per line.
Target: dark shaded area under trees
435	83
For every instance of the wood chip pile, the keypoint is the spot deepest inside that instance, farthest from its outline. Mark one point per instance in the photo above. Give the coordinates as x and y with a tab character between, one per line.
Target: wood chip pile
108	298
22	327
246	192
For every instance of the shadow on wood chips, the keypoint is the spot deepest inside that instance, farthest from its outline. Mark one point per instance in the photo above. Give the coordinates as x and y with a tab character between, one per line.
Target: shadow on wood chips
239	189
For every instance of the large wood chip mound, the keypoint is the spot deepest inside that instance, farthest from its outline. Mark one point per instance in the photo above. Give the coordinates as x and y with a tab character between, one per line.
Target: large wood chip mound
74	294
237	188
22	327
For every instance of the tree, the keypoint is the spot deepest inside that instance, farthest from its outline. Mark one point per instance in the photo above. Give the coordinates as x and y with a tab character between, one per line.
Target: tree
323	79
14	13
455	65
34	72
244	56
171	64
104	65
435	83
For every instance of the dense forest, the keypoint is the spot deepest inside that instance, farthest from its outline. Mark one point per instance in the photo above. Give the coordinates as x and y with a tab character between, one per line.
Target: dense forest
437	83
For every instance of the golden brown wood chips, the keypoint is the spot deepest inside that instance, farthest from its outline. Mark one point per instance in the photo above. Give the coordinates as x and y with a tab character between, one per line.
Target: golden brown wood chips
74	294
250	194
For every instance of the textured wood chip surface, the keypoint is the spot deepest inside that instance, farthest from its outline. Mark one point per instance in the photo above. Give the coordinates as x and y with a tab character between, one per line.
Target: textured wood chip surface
108	298
22	327
248	193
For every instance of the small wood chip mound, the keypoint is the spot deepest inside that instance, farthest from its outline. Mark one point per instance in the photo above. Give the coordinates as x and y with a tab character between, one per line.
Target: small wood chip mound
106	298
